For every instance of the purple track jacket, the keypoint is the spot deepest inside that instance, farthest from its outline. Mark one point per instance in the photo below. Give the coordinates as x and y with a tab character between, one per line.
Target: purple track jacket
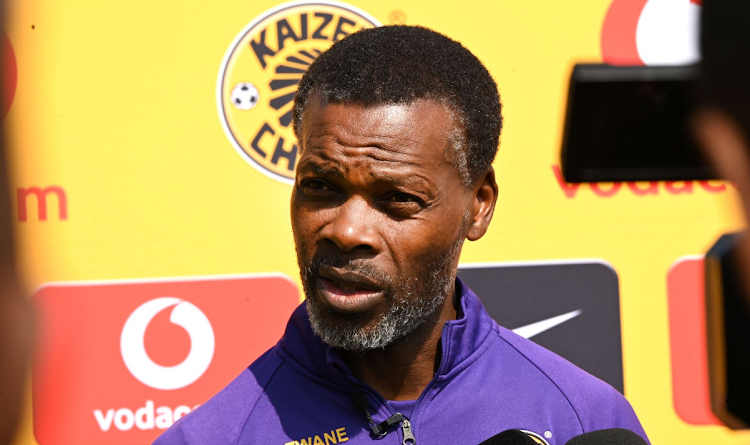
489	380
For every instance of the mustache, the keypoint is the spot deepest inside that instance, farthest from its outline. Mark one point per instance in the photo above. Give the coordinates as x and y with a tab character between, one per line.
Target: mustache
360	267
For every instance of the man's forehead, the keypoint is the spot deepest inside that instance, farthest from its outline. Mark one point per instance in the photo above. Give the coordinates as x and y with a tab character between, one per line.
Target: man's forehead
376	169
389	127
421	134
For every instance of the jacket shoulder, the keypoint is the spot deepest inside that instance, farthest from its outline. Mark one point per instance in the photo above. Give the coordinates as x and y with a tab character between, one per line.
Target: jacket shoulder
596	403
223	417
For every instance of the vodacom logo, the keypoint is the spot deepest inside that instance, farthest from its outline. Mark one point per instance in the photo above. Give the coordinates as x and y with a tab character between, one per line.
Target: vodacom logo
651	32
119	361
143	368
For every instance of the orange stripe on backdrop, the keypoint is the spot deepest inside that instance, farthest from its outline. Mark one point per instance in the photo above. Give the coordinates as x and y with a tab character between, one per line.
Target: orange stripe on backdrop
687	330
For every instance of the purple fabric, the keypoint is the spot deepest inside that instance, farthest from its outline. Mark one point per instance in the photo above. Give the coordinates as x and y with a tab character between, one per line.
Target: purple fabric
405	407
489	380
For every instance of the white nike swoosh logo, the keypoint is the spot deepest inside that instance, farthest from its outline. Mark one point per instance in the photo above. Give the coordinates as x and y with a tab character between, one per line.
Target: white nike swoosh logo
537	328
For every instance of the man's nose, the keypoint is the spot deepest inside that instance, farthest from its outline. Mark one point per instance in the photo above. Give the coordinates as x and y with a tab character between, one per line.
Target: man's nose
353	227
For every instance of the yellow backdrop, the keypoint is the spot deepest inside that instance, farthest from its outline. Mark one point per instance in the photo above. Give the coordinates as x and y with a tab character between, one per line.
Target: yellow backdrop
116	104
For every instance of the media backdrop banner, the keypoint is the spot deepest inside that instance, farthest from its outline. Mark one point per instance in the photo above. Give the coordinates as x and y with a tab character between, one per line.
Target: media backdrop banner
151	160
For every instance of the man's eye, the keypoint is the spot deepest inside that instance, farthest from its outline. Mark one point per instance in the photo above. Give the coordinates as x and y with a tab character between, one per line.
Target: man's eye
316	185
403	197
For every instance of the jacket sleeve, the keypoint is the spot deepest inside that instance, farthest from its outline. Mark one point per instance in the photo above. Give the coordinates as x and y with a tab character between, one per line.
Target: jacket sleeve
597	405
611	410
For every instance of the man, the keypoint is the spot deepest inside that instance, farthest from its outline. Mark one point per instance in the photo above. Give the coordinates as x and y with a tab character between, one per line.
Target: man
397	128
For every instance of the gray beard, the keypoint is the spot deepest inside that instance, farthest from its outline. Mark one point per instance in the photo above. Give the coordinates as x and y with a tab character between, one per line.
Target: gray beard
412	303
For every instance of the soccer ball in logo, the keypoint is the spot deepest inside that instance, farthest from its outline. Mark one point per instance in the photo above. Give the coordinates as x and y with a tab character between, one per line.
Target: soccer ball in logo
245	96
274	51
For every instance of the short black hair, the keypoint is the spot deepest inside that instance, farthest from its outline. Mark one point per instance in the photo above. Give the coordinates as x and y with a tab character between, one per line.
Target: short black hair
400	64
725	57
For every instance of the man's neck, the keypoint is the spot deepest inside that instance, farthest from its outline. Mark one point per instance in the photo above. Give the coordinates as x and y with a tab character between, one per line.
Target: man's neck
403	369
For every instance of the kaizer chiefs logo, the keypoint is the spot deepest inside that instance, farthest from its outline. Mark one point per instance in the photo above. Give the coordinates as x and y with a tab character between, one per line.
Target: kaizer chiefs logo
260	73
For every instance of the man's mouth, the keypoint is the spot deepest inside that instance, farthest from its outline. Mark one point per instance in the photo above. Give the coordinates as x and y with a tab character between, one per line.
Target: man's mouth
345	288
347	292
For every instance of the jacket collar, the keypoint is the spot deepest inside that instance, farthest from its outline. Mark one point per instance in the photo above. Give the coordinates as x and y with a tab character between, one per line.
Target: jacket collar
462	339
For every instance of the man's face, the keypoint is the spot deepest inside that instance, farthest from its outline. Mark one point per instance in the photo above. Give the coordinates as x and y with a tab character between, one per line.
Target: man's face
379	214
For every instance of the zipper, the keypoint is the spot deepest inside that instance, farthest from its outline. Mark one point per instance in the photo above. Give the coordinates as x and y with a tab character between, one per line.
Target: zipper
409	438
381	429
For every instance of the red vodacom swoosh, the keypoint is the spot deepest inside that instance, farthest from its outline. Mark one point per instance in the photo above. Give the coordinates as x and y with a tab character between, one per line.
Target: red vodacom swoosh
619	30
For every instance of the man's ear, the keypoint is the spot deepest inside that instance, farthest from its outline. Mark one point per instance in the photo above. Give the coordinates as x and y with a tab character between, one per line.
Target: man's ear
726	146
483	199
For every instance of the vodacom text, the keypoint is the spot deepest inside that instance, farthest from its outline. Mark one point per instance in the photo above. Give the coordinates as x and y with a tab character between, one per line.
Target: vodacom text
146	417
649	188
